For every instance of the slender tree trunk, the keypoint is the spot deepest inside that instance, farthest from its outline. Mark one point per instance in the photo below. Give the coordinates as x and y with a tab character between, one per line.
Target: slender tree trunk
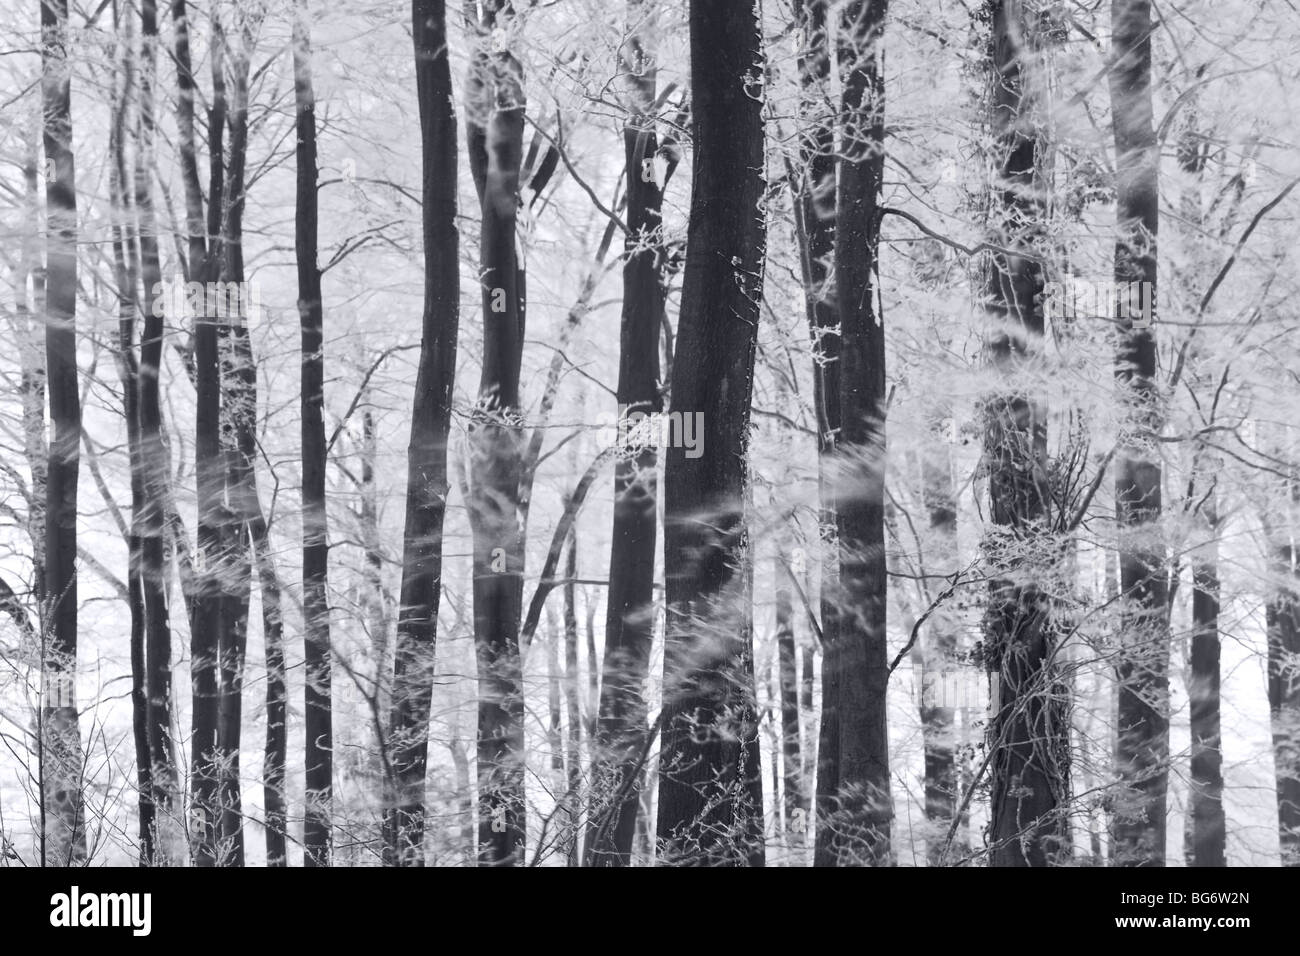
153	572
61	773
426	489
708	773
629	617
209	467
573	703
126	274
1142	752
315	546
853	777
1208	843
1283	620
1206	834
1029	731
495	127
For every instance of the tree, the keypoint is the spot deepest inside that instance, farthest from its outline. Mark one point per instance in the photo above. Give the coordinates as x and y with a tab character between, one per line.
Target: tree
1029	731
209	608
853	773
427	485
315	544
153	460
629	620
710	797
495	130
1142	752
64	835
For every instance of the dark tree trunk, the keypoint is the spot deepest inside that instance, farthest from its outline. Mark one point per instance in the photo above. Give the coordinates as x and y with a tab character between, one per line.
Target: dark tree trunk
64	834
1029	731
209	467
629	617
1206	834
1283	620
315	547
126	273
853	777
1208	842
573	739
495	128
710	809
426	489
153	454
1142	751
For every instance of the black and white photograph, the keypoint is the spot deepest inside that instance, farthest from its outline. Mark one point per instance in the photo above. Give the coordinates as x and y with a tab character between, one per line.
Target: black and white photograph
855	434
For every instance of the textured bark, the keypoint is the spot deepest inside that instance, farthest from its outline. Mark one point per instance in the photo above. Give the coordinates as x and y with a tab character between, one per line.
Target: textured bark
1283	620
629	617
426	489
1142	751
494	128
1206	836
854	803
315	525
153	463
710	800
209	467
1029	732
64	834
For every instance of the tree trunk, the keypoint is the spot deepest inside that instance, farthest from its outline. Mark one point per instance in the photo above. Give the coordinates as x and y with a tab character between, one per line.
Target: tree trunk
153	571
1029	732
495	127
629	616
426	488
315	547
1205	843
205	258
708	773
1283	621
853	777
1142	751
64	834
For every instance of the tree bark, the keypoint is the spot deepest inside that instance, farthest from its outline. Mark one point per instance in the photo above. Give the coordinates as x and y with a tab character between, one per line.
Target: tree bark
315	523
1283	622
64	833
1029	731
205	259
629	617
854	802
710	788
494	128
153	455
1142	751
426	489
